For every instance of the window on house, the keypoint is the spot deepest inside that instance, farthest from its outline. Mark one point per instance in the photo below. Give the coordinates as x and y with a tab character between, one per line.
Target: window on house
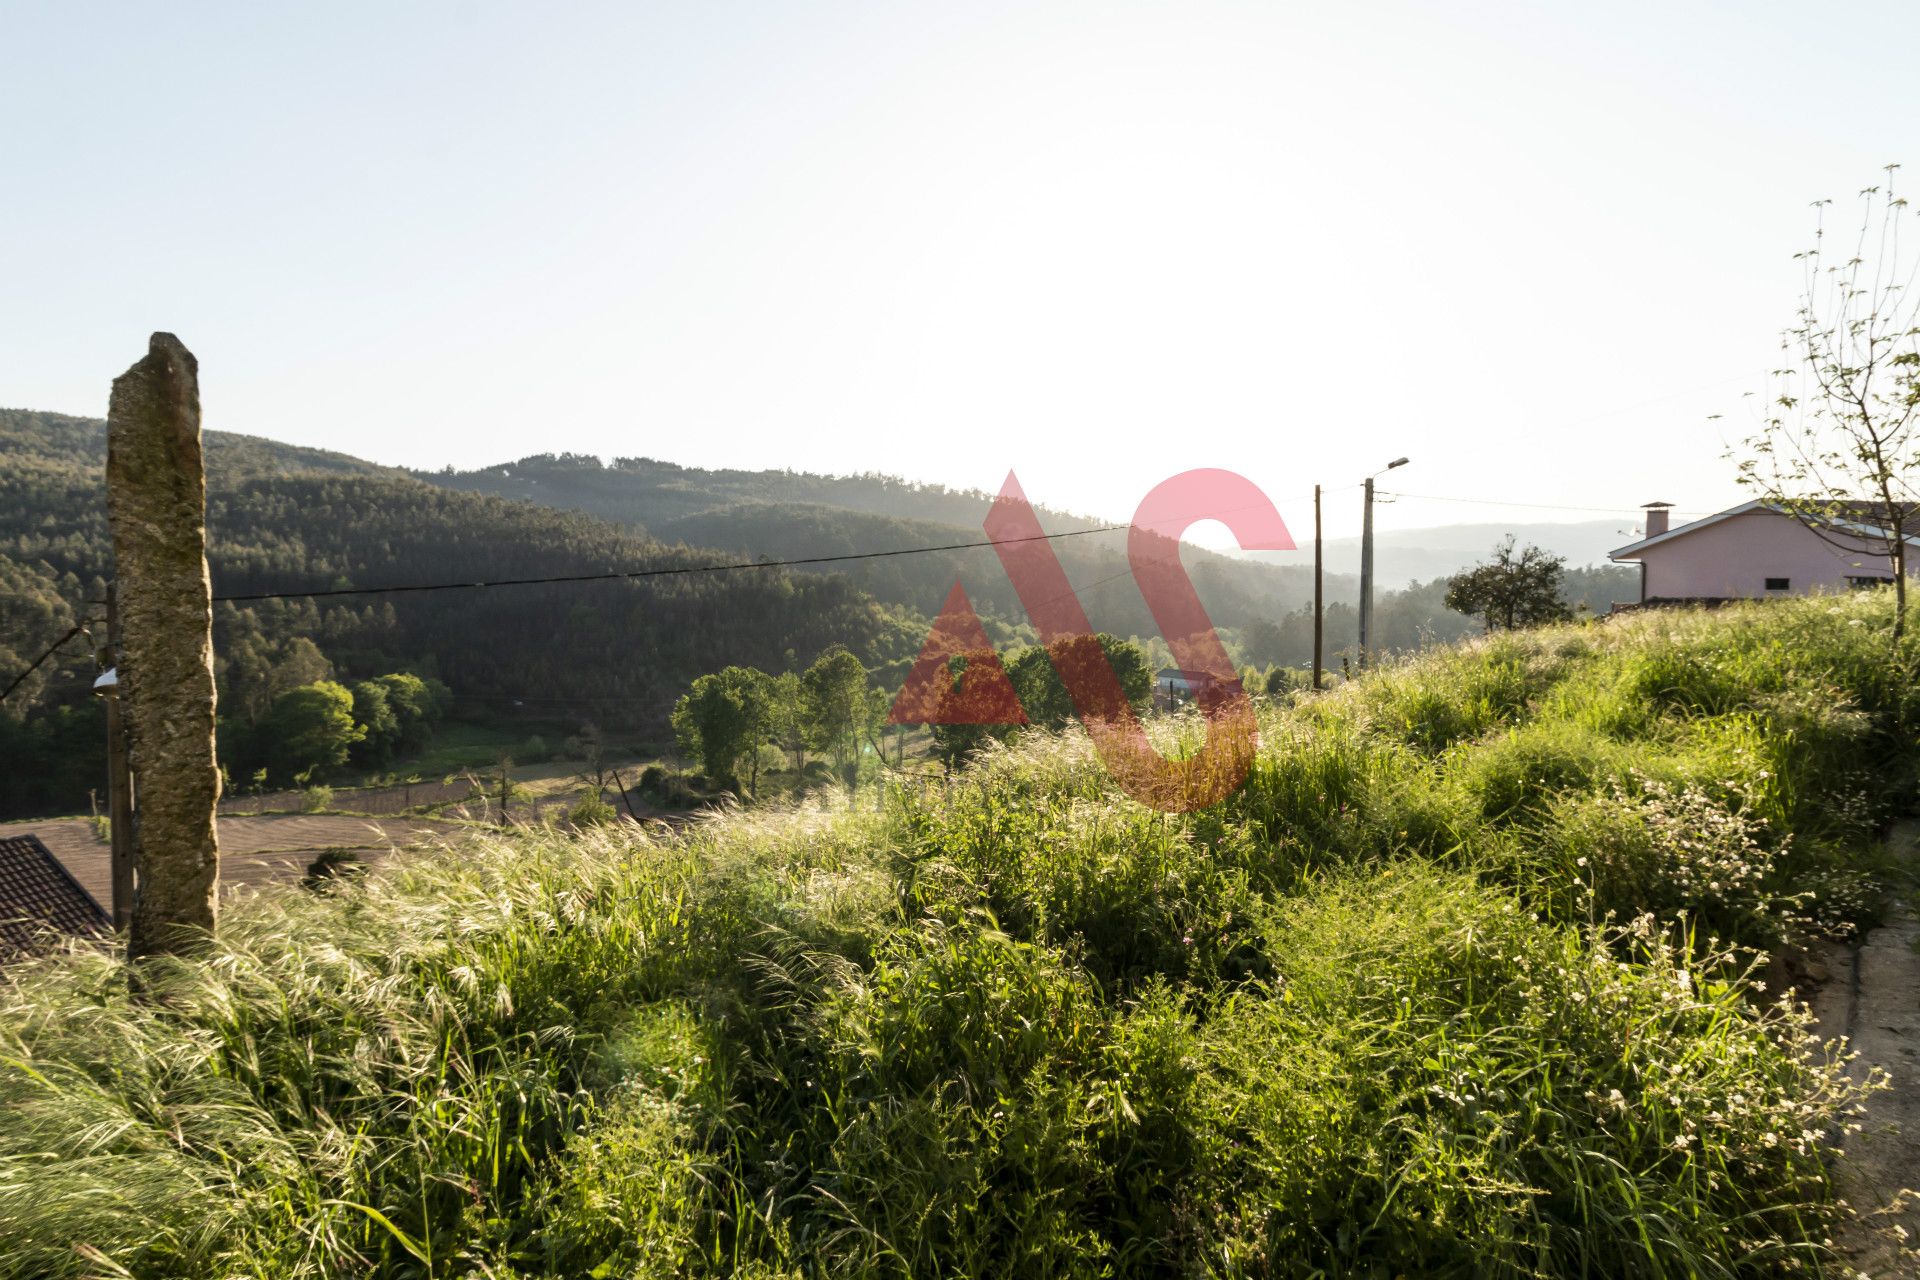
1779	584
1864	582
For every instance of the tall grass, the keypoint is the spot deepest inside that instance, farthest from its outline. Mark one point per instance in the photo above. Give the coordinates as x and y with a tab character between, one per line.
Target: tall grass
1455	985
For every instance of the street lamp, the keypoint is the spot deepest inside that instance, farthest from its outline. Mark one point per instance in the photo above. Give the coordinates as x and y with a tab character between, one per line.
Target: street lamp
1366	565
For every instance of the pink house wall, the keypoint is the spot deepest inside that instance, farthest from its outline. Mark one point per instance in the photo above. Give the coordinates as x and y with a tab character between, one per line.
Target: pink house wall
1734	558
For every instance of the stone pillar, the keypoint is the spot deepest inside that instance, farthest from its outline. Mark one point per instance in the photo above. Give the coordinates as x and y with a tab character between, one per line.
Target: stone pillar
157	510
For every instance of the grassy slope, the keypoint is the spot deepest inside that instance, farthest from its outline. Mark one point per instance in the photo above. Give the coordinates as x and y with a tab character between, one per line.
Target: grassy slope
1437	993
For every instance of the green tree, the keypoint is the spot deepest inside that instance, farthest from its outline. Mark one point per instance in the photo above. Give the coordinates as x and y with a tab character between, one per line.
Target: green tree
417	704
310	729
1511	590
834	690
1263	643
254	670
1043	694
787	718
723	717
953	743
379	726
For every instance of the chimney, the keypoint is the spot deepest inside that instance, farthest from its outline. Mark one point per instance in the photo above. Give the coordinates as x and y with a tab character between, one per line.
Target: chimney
1657	513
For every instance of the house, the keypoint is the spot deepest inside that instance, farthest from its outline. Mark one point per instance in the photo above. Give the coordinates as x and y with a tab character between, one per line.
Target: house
1175	685
1758	549
37	894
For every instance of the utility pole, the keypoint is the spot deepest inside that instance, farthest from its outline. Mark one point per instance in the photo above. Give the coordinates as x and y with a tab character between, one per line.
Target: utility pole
1319	601
1366	566
119	773
1366	577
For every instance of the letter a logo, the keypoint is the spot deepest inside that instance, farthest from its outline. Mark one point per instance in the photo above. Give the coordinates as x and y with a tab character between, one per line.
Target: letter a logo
958	678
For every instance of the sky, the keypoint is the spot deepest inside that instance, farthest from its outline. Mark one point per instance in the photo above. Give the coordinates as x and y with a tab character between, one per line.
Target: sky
1533	247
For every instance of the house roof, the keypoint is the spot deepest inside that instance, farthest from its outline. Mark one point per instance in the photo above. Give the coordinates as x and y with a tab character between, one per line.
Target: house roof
1859	518
37	894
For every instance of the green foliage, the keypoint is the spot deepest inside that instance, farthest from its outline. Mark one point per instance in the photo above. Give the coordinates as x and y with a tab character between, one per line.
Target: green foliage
592	810
724	718
787	718
416	704
1044	699
1043	695
379	725
837	713
1511	590
1366	1018
309	728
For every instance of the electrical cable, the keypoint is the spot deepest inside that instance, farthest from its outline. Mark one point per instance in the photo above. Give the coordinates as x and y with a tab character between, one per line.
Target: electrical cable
54	648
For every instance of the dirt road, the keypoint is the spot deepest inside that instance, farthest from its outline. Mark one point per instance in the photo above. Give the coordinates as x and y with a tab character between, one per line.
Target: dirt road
253	850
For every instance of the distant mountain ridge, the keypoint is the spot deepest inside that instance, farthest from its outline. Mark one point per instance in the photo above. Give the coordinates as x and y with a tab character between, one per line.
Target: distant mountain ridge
648	491
34	436
1406	556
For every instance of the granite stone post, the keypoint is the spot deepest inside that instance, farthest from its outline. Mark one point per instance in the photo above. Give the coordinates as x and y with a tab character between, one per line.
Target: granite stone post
157	511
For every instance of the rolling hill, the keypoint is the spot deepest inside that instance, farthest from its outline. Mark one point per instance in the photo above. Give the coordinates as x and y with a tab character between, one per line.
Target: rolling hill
783	514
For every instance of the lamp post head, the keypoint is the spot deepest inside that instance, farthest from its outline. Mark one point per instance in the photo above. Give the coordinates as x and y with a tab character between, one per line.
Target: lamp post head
1397	462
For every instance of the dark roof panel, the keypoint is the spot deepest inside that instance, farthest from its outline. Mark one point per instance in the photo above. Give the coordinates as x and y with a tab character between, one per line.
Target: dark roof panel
37	894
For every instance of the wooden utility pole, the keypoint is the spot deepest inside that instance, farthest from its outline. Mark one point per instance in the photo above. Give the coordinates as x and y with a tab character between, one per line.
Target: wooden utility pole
119	775
1319	600
1366	567
157	512
1366	577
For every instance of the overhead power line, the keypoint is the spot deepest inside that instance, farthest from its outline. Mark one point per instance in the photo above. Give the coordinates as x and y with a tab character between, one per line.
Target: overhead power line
38	662
677	571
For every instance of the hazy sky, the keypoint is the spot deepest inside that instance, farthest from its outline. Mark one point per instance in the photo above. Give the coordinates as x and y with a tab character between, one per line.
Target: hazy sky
1531	245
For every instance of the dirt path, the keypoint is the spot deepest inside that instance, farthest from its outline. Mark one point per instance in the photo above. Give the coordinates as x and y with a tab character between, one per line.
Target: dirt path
1873	997
253	850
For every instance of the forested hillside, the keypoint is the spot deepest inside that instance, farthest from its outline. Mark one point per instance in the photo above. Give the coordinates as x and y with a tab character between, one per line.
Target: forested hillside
783	514
613	652
1235	593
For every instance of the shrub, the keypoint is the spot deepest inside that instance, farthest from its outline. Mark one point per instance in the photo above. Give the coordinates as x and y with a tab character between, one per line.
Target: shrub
1672	852
592	810
1434	1083
1519	772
